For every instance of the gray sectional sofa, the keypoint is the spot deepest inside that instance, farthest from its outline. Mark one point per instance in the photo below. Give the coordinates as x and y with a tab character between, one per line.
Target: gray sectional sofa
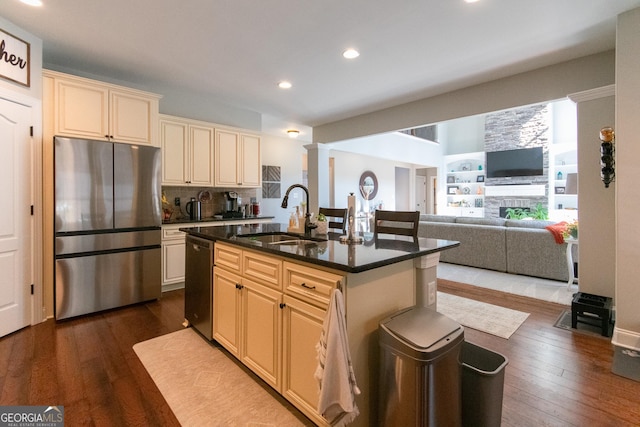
507	245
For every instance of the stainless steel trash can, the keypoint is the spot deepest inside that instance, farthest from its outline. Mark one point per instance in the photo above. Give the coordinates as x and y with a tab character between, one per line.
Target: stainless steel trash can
482	386
420	383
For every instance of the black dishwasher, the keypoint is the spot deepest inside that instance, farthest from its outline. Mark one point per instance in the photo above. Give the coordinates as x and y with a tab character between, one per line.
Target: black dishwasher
198	279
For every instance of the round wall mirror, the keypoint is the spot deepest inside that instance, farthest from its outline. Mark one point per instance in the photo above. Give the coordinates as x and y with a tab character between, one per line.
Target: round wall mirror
368	185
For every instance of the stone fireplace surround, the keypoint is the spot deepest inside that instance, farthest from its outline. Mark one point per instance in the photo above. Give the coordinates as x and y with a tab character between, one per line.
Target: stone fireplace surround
523	127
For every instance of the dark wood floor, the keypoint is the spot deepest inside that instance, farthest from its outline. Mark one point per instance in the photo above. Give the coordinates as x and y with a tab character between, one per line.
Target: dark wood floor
554	377
88	365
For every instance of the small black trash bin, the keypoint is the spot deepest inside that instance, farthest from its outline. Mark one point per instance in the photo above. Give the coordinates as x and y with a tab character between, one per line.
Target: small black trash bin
482	386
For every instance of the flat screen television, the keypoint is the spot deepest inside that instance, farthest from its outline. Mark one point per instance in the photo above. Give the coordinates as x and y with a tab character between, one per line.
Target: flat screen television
520	162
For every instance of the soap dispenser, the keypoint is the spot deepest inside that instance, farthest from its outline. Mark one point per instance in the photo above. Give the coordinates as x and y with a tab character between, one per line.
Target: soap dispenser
293	223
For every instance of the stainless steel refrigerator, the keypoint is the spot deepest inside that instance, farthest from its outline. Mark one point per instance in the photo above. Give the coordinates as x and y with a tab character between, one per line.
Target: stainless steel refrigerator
107	225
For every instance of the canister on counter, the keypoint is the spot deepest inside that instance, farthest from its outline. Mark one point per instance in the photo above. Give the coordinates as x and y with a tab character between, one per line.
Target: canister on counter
255	207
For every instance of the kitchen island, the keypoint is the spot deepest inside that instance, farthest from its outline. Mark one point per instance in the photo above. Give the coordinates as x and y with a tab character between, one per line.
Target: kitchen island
271	292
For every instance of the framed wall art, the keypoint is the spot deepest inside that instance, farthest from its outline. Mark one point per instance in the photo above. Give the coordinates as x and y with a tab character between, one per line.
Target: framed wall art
15	59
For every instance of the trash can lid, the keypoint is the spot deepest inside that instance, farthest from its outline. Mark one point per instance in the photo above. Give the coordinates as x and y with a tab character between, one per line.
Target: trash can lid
420	327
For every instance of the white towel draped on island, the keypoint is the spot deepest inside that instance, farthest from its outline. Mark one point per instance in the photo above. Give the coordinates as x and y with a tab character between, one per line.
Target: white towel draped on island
338	388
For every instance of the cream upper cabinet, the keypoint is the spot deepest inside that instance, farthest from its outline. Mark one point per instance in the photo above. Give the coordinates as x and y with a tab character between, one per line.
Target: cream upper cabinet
187	152
86	108
251	168
237	159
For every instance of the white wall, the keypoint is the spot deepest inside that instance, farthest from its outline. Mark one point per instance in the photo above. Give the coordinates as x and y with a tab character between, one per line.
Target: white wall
596	213
391	150
464	135
289	155
627	128
349	167
395	146
542	85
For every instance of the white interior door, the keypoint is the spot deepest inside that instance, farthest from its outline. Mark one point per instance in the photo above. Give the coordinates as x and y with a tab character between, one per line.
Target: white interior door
421	194
15	227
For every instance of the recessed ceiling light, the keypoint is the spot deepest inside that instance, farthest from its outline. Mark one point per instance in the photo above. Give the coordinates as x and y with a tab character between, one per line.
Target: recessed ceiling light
285	85
350	53
32	2
293	133
471	1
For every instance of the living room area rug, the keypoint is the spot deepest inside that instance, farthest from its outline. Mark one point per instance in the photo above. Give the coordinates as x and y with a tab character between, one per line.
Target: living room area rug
489	318
205	387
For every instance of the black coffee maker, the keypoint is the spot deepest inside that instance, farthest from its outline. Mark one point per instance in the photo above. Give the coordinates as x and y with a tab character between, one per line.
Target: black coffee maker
233	204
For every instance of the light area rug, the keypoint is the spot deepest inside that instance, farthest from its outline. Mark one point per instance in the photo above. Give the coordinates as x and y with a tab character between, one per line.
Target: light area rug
489	318
204	387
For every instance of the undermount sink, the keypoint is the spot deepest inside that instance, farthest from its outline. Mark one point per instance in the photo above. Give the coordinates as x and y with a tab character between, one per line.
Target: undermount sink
279	239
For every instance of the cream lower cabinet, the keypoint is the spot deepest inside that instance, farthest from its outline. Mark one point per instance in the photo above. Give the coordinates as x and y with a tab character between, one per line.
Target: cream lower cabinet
226	309
268	312
173	253
306	300
302	326
247	313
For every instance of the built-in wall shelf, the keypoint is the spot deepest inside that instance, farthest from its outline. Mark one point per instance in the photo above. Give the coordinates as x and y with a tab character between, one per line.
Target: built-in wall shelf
465	184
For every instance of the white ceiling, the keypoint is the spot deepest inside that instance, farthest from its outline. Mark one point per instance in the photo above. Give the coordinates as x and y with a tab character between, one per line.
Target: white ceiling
234	52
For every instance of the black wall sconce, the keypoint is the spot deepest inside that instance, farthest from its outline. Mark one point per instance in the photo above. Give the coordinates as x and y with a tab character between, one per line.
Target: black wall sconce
607	159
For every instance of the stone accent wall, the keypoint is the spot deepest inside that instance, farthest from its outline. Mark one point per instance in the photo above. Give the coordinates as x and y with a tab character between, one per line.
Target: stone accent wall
524	127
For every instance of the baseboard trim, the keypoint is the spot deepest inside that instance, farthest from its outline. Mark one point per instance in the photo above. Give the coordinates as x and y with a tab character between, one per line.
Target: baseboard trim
626	339
172	287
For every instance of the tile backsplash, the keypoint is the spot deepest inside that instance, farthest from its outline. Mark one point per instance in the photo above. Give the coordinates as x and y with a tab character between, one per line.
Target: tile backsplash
217	203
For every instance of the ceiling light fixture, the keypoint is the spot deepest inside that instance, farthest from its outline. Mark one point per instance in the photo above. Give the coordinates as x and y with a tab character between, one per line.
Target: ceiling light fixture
350	53
471	1
285	85
293	133
32	2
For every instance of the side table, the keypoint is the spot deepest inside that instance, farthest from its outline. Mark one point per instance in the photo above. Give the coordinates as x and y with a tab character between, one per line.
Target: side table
572	275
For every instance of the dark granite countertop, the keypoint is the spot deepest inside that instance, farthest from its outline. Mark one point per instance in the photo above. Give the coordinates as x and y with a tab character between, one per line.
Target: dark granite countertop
352	258
212	219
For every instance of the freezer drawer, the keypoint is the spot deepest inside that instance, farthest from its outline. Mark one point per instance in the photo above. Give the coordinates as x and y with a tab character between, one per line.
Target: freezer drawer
75	244
86	284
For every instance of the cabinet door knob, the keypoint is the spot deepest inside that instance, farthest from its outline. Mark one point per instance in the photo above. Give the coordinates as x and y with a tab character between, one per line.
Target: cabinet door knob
282	305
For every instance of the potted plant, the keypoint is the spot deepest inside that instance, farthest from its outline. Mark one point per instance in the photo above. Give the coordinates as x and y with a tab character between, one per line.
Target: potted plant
167	210
322	224
571	232
537	212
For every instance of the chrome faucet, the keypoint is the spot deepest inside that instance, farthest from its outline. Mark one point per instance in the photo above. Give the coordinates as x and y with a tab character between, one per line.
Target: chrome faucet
307	215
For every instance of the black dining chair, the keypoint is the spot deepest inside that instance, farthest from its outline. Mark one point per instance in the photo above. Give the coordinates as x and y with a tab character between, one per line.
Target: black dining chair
404	223
337	218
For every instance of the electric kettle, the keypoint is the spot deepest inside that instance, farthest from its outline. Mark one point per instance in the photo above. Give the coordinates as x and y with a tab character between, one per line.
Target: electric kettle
194	209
